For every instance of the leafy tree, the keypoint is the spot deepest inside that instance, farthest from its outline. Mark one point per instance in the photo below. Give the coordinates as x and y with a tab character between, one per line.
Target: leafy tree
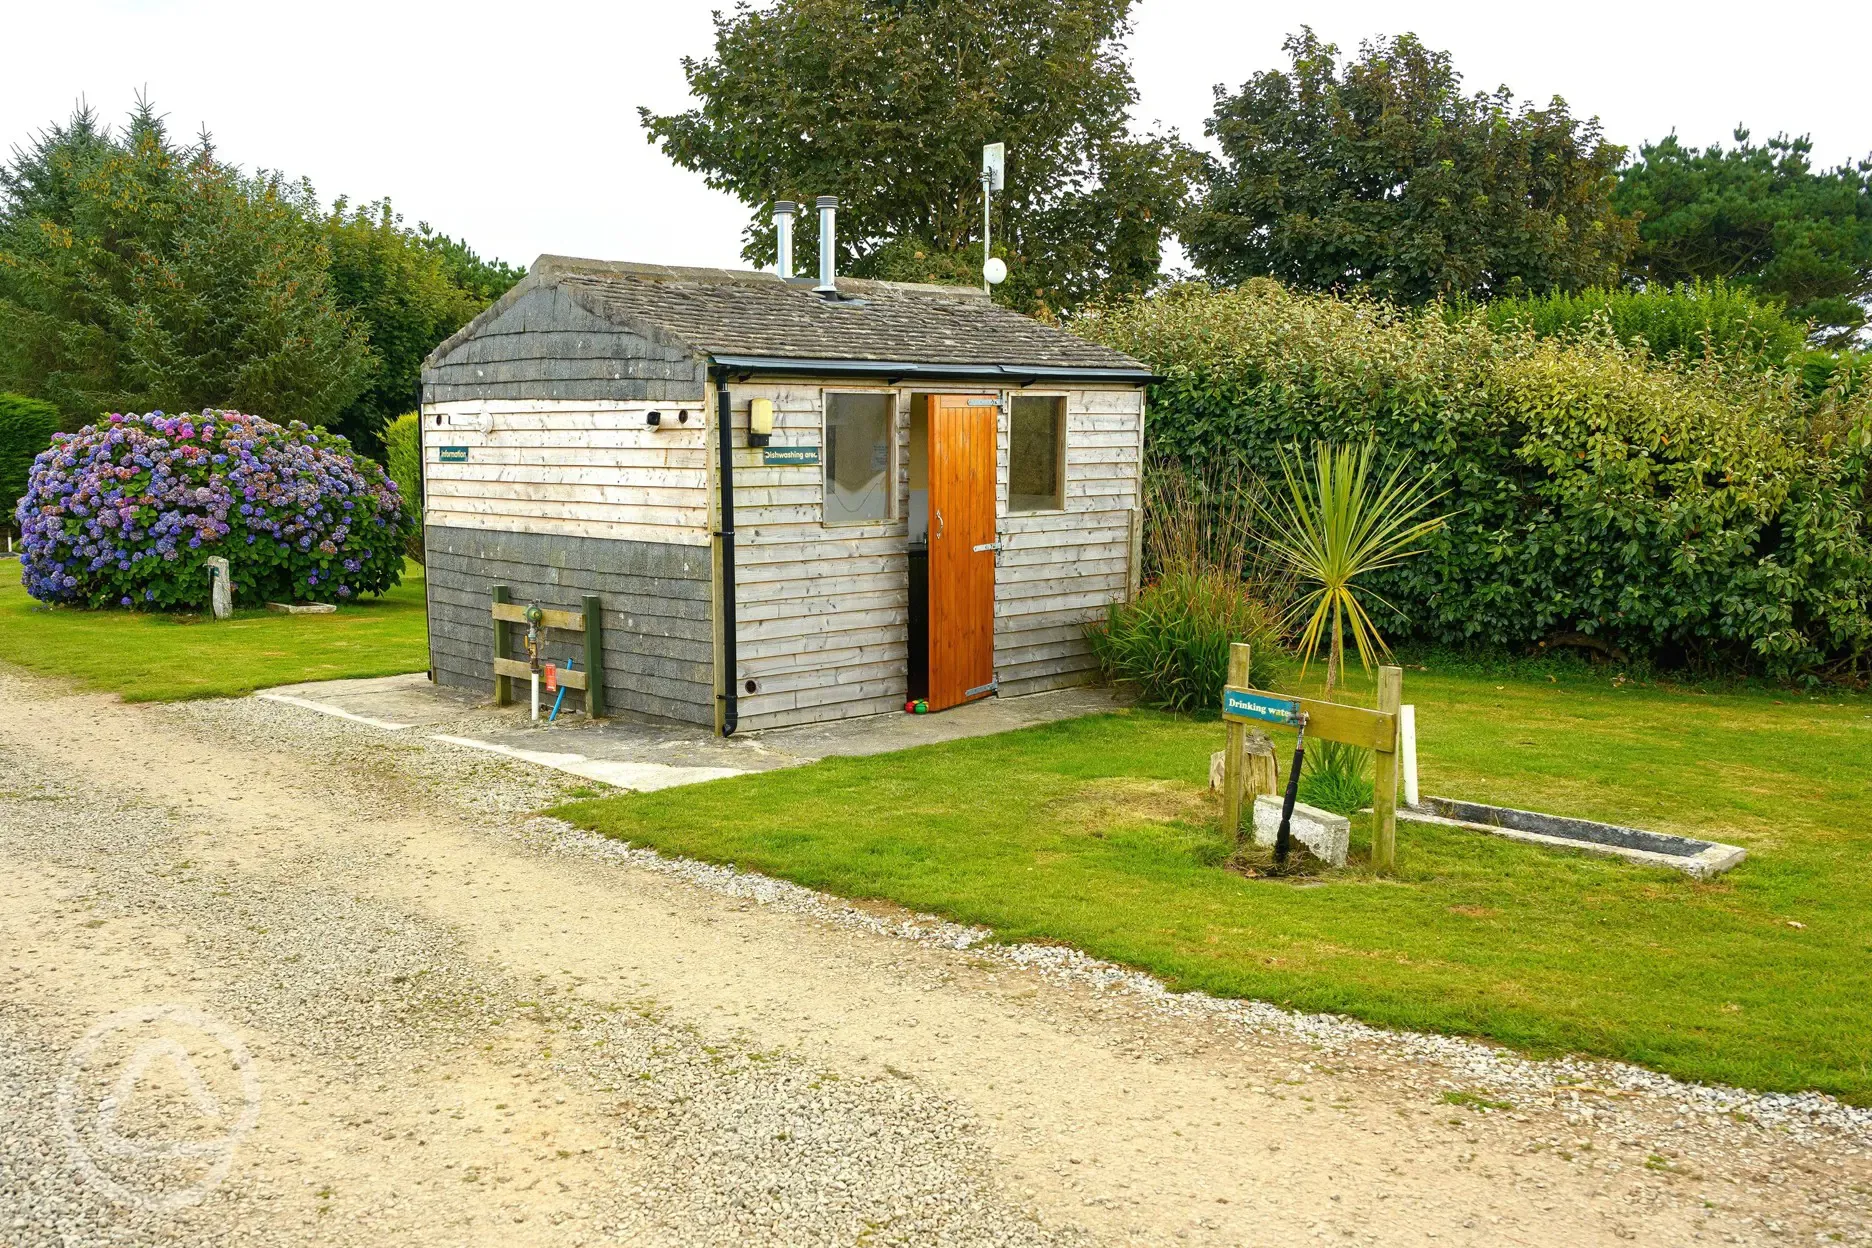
887	103
135	273
401	290
1757	215
486	280
1387	177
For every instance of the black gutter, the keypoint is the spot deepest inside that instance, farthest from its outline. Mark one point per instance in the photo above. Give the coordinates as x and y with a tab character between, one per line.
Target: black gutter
731	713
750	364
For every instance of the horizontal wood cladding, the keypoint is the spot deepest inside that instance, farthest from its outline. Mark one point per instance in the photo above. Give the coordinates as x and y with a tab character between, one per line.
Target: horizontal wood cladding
823	612
1063	569
587	470
546	346
657	611
562	496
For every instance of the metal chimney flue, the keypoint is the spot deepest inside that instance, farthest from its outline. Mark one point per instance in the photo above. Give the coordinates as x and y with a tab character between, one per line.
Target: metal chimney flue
828	245
783	234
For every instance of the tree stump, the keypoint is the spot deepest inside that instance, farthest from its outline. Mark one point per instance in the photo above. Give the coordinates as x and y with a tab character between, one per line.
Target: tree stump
1263	774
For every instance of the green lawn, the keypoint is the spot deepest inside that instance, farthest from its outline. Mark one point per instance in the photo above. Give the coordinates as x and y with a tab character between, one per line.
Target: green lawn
1099	833
165	658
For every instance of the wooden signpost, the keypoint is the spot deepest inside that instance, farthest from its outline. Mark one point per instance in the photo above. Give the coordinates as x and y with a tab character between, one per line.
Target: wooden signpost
1375	730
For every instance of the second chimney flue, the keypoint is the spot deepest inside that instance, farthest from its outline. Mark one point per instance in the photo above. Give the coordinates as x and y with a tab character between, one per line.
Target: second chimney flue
828	245
783	235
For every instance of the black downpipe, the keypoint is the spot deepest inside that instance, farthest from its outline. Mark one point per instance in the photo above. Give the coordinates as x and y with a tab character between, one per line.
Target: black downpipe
725	441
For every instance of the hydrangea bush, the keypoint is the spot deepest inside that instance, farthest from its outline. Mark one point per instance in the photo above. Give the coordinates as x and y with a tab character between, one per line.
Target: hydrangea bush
126	512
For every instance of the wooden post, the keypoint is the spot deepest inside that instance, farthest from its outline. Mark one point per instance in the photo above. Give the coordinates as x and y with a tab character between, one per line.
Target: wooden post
1385	773
594	658
503	685
1233	767
1136	555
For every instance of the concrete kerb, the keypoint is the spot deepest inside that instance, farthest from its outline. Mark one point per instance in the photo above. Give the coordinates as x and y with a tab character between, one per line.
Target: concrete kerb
1699	859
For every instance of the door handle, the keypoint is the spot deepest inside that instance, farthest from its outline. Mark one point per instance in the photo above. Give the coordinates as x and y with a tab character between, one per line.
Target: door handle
939	524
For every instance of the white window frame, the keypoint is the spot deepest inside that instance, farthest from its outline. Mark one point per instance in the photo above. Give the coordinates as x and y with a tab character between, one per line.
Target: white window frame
1065	440
892	435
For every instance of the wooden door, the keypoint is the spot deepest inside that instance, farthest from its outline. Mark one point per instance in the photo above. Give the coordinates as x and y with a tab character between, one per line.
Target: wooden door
961	465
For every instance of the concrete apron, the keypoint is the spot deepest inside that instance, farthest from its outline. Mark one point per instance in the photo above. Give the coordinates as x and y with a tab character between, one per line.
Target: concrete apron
640	753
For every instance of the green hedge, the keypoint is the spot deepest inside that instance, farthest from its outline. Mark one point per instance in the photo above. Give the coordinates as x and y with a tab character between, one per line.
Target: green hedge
1689	320
402	439
26	428
1710	512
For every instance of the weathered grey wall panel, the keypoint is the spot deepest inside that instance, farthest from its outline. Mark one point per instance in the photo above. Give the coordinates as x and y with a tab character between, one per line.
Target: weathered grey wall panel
546	346
657	632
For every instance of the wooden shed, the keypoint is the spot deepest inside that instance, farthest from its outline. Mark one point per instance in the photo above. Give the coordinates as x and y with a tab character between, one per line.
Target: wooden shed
948	494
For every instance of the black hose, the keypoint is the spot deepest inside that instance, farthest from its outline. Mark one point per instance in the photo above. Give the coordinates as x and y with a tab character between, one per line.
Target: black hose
725	439
1283	839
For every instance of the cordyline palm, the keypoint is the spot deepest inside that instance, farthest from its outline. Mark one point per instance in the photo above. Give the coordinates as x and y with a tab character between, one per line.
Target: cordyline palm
1345	519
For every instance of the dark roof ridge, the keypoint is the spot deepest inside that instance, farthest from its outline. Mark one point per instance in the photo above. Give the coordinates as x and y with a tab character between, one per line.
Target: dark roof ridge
576	266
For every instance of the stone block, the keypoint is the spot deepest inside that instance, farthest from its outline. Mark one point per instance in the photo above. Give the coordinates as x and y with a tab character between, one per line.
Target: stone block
303	608
1324	834
220	587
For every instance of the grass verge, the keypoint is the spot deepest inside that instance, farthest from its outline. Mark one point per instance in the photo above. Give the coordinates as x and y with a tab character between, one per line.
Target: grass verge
1100	833
147	657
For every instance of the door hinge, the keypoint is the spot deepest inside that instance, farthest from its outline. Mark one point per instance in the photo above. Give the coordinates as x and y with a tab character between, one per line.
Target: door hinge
994	546
993	686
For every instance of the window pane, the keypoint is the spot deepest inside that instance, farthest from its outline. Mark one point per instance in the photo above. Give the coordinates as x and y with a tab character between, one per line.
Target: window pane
857	457
1035	427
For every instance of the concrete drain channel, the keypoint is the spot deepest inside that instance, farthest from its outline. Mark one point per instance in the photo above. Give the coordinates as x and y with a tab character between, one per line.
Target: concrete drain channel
1697	858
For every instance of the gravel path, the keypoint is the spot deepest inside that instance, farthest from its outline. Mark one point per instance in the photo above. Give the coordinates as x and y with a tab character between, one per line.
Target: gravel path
469	1025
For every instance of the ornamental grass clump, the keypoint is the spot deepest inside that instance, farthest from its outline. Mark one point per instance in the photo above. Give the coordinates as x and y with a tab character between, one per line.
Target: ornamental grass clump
125	513
1171	643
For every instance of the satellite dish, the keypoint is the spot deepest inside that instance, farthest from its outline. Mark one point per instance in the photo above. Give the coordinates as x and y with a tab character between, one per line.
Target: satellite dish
995	271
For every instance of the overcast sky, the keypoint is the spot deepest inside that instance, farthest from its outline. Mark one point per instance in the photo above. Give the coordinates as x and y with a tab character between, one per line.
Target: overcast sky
515	125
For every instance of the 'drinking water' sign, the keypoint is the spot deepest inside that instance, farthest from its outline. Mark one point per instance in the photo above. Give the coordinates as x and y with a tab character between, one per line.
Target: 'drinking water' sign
1241	704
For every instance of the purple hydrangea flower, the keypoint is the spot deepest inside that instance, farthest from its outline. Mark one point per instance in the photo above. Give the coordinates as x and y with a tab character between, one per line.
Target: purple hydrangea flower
141	498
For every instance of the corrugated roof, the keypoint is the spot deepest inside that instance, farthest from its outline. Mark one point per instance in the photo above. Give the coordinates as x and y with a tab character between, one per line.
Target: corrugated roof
727	312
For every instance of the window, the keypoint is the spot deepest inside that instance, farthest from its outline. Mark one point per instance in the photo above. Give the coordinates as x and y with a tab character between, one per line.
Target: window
1036	453
857	458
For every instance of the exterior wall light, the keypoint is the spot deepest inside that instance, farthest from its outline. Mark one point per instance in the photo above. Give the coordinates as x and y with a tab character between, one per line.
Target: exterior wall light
760	422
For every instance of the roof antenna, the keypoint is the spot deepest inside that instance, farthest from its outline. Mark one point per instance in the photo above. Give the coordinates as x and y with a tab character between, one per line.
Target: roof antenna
783	235
993	178
828	247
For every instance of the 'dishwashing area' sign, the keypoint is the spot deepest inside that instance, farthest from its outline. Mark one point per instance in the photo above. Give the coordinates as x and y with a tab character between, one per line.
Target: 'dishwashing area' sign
1368	728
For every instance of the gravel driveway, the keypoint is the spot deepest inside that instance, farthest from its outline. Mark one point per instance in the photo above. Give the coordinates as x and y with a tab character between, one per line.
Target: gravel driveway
400	1009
